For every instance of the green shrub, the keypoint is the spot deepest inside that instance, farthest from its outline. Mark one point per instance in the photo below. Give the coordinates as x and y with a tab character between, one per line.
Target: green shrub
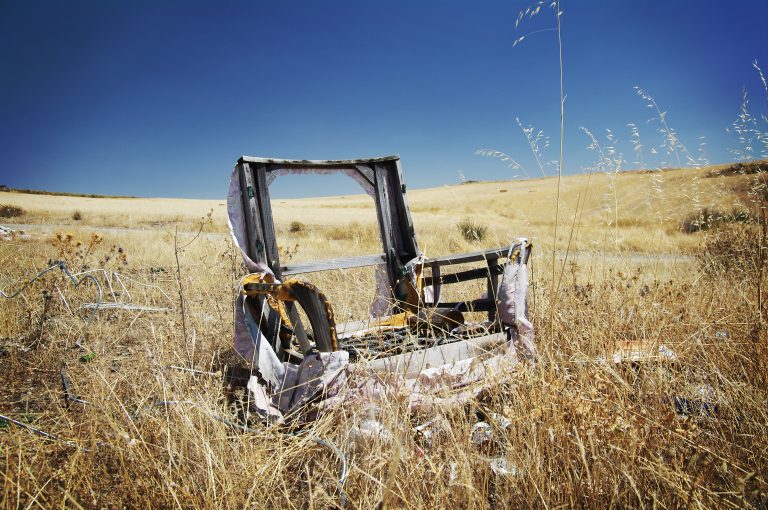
297	227
472	230
708	218
10	211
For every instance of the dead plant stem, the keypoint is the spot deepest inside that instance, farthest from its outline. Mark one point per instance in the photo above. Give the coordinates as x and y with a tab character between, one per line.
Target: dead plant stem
553	296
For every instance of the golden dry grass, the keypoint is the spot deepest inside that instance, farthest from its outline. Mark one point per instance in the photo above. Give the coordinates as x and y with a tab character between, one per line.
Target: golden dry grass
113	212
581	433
630	203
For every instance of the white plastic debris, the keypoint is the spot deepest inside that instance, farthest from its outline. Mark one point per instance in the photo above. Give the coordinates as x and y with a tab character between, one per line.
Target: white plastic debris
500	421
7	234
502	467
481	433
367	433
430	430
641	350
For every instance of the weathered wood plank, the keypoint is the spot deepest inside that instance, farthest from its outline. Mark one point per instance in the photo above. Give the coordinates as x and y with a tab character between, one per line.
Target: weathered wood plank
475	256
493	269
410	364
317	162
339	263
476	305
267	222
402	233
436	287
385	224
255	240
367	173
408	233
493	285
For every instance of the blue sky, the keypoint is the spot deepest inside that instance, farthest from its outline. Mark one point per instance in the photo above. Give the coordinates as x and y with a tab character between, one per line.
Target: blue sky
160	98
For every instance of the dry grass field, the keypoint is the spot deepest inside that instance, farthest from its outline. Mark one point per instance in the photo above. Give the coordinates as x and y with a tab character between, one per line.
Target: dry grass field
676	257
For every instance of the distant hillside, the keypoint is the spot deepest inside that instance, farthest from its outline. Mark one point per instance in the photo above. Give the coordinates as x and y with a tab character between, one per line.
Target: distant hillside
58	193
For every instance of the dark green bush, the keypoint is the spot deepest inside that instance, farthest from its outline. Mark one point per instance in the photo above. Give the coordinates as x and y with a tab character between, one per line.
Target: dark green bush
708	218
472	230
297	227
10	211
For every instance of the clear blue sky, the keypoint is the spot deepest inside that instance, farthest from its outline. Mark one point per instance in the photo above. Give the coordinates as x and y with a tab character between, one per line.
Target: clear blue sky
160	98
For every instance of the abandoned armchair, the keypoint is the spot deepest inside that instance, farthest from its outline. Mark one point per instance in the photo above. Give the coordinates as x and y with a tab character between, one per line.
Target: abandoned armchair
303	361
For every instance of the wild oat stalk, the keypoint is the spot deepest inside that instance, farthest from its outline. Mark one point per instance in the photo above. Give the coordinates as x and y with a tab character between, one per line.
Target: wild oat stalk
506	158
177	249
530	12
537	142
671	143
636	145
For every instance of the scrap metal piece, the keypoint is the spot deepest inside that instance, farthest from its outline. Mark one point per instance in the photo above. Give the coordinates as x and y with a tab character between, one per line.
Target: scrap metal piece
314	303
